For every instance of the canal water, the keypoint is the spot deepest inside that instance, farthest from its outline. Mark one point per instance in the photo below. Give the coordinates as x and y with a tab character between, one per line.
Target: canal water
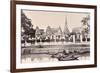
45	58
44	53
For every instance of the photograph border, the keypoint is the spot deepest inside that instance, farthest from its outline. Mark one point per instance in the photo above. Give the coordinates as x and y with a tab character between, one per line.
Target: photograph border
13	35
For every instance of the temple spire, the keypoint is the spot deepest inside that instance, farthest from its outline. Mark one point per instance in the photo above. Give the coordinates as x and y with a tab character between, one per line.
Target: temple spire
66	30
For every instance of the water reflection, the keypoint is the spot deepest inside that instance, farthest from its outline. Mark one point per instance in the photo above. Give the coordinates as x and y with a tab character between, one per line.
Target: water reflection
39	59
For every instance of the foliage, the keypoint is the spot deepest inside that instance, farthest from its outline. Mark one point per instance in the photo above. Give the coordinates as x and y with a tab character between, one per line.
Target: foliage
26	27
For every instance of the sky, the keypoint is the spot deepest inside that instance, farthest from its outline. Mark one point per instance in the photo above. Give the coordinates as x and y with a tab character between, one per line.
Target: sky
43	19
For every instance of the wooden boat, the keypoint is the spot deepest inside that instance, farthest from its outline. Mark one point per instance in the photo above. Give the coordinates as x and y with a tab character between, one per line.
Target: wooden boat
67	58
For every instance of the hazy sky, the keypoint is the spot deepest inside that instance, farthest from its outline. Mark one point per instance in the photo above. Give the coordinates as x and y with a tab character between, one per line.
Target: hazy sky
42	19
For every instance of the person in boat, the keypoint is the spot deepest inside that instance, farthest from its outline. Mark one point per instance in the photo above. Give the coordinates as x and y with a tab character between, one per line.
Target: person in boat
64	52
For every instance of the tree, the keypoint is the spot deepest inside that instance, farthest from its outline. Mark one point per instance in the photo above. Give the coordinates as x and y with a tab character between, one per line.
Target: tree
48	31
27	30
86	26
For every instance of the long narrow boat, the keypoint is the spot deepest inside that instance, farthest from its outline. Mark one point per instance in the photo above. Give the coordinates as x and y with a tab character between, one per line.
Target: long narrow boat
68	58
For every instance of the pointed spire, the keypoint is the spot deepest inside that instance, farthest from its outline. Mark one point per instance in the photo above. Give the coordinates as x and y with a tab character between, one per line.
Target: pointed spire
59	30
66	30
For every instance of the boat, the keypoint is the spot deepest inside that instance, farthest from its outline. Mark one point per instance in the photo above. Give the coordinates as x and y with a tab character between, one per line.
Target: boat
68	58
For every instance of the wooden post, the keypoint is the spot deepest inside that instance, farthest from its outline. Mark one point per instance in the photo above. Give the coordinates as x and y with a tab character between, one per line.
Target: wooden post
80	37
73	38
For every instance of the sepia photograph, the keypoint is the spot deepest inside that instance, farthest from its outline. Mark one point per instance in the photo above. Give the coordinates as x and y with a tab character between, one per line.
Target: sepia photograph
54	36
